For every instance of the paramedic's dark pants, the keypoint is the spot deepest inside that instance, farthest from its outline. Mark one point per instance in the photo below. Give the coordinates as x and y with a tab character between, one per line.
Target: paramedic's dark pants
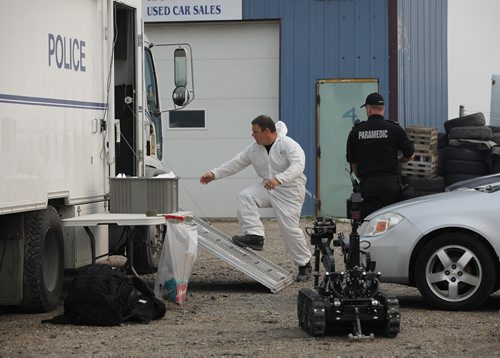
378	192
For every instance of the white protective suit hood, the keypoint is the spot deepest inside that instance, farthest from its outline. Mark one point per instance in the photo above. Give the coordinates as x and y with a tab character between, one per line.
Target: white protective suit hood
281	129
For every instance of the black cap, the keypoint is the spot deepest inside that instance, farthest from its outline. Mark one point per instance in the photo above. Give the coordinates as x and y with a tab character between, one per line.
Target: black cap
374	99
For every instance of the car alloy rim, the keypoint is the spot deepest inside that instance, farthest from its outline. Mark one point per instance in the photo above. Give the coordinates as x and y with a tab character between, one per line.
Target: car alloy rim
453	273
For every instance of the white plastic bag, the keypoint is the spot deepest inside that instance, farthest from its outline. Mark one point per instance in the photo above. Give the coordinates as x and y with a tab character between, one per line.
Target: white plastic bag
176	261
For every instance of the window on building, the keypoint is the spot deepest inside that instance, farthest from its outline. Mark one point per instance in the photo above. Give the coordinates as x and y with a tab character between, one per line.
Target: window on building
186	119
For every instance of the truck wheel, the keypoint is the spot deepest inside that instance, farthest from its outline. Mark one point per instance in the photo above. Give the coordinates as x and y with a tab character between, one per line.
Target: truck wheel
442	140
455	178
464	153
470	132
434	184
455	271
465	167
43	268
474	119
117	240
148	241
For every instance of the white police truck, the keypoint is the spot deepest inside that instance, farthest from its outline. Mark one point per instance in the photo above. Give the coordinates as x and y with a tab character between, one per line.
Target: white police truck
79	105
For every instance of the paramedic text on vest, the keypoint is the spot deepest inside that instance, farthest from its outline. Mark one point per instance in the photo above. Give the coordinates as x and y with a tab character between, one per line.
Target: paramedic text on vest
372	151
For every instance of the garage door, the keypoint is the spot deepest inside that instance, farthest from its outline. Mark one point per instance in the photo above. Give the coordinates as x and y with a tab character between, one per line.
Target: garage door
236	77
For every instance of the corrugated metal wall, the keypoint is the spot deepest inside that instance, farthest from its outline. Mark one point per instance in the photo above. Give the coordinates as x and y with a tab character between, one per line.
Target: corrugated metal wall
319	40
422	63
323	39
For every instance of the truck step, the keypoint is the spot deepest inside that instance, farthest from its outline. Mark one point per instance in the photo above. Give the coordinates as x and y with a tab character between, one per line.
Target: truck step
245	260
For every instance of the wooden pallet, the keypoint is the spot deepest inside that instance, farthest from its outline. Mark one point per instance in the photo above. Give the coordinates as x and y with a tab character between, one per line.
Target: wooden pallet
424	138
422	157
422	165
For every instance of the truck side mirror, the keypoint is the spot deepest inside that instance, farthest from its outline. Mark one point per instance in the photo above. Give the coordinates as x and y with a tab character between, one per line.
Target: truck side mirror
180	96
180	67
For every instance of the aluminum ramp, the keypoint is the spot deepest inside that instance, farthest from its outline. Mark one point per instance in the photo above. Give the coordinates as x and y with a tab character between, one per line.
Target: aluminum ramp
245	260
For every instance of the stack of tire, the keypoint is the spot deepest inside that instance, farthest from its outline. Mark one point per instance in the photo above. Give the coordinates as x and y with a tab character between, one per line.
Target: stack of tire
495	134
466	156
495	160
425	185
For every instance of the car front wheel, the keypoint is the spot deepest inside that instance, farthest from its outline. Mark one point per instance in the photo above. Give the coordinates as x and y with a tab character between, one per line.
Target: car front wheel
455	271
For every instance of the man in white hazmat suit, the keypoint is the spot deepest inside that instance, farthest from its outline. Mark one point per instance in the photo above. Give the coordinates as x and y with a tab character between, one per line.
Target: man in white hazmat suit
280	162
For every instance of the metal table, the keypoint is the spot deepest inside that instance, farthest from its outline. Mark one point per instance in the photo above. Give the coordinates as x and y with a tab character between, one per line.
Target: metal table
119	219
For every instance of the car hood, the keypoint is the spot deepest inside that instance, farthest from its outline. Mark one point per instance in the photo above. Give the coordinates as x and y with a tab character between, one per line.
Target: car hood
445	199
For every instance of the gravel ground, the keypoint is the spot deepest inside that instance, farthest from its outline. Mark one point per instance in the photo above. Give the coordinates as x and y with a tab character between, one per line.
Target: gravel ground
228	314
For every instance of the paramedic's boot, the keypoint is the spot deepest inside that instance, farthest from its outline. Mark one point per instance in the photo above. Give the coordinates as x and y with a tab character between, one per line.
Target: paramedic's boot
305	273
255	242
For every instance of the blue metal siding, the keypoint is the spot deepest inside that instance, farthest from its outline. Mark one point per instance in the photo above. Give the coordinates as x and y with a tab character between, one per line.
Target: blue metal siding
323	39
320	40
422	63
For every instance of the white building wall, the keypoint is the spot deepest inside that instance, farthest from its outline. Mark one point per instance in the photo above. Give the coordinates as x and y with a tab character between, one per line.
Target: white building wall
473	54
236	72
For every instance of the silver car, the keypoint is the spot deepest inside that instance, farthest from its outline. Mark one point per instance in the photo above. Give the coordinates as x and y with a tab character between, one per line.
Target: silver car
446	244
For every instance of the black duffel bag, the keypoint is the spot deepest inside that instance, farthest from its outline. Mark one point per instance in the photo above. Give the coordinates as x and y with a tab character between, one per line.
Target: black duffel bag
100	295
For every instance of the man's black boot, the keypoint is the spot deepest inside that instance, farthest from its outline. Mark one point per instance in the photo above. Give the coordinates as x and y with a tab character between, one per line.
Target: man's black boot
255	242
305	273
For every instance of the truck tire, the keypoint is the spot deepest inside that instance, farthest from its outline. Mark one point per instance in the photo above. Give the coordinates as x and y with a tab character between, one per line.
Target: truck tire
495	137
148	242
424	193
495	153
470	132
494	129
474	119
425	184
43	268
455	178
117	240
442	140
463	153
465	167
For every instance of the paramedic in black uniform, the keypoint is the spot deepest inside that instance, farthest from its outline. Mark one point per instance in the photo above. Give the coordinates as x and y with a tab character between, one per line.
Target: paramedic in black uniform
375	149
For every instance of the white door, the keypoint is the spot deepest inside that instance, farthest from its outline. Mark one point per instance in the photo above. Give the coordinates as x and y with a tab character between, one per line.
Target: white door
338	109
236	77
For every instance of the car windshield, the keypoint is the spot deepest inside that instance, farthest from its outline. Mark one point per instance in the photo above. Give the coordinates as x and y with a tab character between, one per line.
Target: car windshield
490	188
492	179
